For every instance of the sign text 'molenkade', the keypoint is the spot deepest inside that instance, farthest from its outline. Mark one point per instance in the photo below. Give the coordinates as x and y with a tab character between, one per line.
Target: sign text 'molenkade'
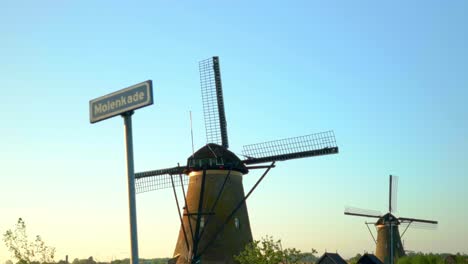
122	101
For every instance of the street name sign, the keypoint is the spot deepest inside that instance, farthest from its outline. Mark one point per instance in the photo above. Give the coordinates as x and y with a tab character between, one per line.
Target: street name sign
117	103
123	102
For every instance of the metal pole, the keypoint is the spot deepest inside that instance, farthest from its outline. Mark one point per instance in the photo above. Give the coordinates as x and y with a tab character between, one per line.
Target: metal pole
197	236
390	196
131	186
236	208
391	240
180	215
367	224
390	209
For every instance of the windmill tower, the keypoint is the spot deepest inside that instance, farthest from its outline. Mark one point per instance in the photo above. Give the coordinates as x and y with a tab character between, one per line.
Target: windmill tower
214	220
388	244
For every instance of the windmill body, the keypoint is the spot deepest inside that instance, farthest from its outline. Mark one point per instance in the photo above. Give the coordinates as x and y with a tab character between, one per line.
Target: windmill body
388	244
214	222
235	235
212	162
388	235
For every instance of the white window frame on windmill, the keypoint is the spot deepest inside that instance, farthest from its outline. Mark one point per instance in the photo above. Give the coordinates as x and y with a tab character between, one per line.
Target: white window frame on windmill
237	223
198	163
202	222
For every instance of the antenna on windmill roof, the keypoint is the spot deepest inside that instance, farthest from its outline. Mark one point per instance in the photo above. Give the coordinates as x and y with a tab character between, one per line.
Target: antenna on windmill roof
191	133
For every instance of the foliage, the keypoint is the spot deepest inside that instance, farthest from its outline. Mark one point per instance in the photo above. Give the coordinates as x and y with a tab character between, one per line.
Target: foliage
142	261
354	259
308	257
420	258
89	260
25	251
154	261
268	251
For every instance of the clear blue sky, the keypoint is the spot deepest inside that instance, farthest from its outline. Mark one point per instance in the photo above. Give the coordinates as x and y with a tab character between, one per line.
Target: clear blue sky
389	78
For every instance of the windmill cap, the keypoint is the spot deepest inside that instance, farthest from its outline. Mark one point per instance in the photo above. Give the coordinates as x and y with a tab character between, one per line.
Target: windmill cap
214	156
388	217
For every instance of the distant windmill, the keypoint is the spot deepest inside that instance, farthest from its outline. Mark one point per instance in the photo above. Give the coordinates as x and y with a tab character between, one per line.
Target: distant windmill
388	244
215	223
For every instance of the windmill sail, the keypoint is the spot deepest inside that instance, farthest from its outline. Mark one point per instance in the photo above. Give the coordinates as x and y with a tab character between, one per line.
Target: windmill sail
418	225
406	219
291	148
362	212
159	179
215	224
213	103
392	203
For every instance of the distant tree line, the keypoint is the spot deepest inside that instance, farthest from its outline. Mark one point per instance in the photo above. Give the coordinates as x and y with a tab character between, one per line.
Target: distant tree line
90	260
265	251
142	261
421	258
354	259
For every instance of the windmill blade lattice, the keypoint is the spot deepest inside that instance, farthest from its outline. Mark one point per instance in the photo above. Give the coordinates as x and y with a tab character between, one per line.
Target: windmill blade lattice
213	103
215	187
418	225
415	220
393	193
362	212
159	179
291	148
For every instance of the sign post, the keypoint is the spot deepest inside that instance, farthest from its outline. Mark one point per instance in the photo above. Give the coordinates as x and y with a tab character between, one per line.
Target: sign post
131	186
124	102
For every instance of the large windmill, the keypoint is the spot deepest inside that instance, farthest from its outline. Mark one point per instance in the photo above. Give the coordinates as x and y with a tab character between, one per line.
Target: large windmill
388	244
215	223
